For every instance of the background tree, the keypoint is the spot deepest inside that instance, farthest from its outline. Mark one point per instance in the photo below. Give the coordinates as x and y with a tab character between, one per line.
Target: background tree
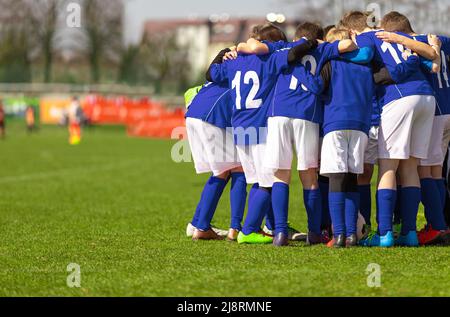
43	16
15	48
165	62
102	23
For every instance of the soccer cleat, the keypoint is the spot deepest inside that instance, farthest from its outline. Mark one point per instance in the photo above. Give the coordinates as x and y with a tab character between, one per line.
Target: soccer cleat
190	229
253	238
351	241
408	240
337	242
232	235
280	240
429	236
314	238
206	235
375	240
220	232
293	234
267	231
372	240
387	240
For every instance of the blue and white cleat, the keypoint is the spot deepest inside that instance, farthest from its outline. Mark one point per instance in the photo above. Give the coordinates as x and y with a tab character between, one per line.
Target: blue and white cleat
375	240
371	240
408	240
387	241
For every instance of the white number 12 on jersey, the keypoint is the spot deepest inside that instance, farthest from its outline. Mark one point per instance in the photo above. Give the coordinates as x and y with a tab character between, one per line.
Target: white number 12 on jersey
250	102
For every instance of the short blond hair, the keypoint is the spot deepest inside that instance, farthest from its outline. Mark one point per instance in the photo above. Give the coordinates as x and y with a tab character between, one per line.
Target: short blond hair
335	34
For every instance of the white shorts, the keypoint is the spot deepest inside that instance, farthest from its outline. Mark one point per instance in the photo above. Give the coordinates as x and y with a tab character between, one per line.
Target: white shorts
371	153
343	152
212	148
252	159
440	137
284	134
405	128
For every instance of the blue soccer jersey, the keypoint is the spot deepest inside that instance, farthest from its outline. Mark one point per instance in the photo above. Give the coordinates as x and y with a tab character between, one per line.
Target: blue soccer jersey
391	55
276	46
212	104
292	98
251	79
440	81
376	108
348	103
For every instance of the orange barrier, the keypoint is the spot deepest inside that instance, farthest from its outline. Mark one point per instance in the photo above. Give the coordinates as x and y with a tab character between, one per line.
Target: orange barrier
143	117
158	127
52	109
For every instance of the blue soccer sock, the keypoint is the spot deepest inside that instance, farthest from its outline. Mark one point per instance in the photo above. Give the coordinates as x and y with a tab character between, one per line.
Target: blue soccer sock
270	218
352	202
365	202
257	209
431	200
238	198
211	195
386	203
280	205
194	220
397	208
252	192
440	183
337	211
313	206
410	200
324	186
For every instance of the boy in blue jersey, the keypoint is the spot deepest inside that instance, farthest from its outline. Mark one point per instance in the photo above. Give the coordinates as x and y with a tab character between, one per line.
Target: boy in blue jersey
430	169
405	128
347	110
294	116
213	150
251	78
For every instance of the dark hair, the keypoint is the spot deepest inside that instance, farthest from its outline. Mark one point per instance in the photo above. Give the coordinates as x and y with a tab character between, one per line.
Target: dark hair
326	30
355	20
311	31
396	22
270	32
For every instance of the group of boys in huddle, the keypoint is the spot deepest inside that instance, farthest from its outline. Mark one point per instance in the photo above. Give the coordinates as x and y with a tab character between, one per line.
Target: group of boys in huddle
338	100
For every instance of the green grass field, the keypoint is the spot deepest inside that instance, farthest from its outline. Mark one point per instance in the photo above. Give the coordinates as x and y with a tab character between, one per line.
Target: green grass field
119	206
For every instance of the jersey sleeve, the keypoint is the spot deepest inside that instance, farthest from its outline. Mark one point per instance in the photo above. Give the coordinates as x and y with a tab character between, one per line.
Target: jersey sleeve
330	51
275	46
219	72
365	40
402	71
360	56
313	83
278	62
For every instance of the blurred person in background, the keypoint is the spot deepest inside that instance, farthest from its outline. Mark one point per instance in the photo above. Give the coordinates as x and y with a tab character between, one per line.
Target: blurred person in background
30	119
75	118
2	121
